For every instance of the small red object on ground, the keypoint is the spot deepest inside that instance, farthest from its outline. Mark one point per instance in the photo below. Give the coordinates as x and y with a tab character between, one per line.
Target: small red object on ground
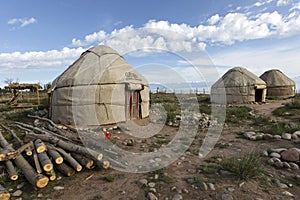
107	135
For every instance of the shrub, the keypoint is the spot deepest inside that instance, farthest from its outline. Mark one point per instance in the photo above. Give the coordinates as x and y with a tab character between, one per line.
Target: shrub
247	167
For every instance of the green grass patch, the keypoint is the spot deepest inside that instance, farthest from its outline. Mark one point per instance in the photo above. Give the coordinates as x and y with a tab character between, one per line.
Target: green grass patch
238	115
246	167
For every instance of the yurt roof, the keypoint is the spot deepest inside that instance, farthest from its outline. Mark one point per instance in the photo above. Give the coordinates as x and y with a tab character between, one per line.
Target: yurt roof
99	65
276	78
238	77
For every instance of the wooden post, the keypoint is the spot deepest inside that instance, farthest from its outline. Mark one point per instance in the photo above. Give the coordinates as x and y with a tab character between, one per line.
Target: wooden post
38	95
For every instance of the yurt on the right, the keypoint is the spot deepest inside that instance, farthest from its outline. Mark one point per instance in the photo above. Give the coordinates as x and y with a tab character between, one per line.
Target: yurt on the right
278	84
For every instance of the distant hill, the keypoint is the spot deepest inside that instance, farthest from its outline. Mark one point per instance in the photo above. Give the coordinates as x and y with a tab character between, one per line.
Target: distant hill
200	87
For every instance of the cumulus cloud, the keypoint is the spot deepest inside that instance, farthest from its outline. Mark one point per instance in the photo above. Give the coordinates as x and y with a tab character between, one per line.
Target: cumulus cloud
226	29
22	22
38	60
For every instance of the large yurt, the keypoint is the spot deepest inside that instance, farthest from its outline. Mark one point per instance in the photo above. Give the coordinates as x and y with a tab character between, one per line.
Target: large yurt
237	86
99	88
278	84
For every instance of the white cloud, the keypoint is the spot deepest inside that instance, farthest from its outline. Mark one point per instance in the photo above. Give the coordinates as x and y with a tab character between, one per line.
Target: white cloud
22	22
226	29
295	7
283	2
213	19
43	61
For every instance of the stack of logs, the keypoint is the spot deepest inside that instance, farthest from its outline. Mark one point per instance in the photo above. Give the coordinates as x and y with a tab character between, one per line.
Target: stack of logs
45	152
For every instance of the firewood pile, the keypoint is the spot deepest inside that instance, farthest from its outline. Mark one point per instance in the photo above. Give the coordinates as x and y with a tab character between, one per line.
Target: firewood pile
47	149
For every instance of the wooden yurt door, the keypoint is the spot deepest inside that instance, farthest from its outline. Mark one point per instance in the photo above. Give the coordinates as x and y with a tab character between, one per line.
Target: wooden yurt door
132	104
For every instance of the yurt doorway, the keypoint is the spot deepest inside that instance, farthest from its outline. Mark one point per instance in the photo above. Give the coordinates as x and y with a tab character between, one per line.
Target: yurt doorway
259	95
133	104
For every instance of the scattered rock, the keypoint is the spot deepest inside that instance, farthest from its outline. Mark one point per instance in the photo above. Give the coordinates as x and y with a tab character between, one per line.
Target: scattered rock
278	164
40	195
249	135
151	184
286	193
190	180
298	150
281	185
297	133
152	190
202	186
59	188
290	155
275	155
241	184
211	186
286	136
277	150
17	193
143	182
277	137
265	153
294	166
177	197
227	197
268	136
295	137
286	165
230	189
20	185
185	191
151	196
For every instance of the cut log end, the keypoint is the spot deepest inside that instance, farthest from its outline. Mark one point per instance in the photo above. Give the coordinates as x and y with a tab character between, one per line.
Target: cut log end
48	167
42	182
5	196
78	168
41	149
13	178
52	177
90	164
59	160
100	156
29	153
105	164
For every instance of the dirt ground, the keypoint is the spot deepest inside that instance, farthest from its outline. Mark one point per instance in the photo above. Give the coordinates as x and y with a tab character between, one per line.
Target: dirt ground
172	180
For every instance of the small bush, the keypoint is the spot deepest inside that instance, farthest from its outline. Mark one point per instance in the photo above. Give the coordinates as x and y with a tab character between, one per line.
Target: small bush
246	167
238	114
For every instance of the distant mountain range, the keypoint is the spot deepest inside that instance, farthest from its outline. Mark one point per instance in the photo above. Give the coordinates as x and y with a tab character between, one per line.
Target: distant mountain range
193	87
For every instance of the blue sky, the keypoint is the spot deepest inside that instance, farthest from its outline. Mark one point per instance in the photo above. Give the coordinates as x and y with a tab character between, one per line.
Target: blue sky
199	40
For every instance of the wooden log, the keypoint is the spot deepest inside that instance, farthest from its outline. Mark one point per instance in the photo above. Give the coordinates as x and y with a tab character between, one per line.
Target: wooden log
40	146
84	161
68	145
45	162
103	163
65	169
44	119
28	149
34	178
4	194
11	170
6	154
37	162
52	175
58	159
70	159
43	131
